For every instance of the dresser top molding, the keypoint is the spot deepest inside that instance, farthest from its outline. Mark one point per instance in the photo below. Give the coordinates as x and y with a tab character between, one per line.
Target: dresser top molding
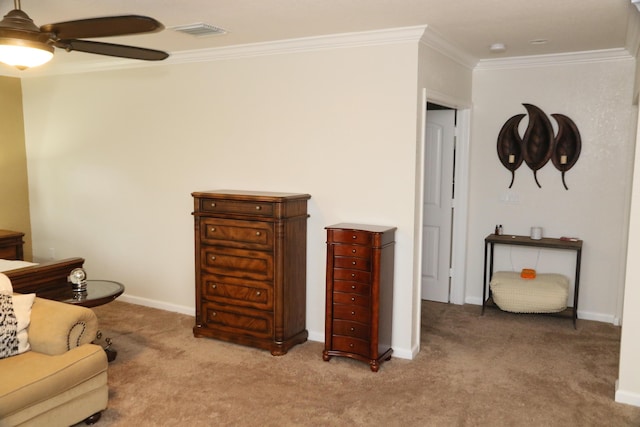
266	196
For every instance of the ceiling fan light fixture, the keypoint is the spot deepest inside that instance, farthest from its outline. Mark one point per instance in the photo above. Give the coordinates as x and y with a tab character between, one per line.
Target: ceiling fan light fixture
24	54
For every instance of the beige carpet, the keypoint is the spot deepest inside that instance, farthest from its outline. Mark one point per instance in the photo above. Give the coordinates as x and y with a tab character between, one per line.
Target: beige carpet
496	370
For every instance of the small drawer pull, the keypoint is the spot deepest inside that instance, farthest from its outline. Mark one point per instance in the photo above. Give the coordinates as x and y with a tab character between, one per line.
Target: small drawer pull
353	251
353	274
258	233
352	329
258	208
353	286
353	263
214	314
353	313
213	229
214	286
354	237
353	298
351	345
213	257
258	293
213	205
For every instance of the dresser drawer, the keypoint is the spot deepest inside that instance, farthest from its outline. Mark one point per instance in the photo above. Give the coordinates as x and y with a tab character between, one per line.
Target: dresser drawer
351	329
237	320
352	313
352	287
239	234
240	263
352	262
352	250
241	292
351	298
352	275
351	345
354	237
261	209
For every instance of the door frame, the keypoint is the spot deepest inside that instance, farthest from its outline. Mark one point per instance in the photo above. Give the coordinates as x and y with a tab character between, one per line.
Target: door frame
461	201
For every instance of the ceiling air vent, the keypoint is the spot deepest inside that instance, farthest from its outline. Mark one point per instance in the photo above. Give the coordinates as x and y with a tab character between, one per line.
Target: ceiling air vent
199	29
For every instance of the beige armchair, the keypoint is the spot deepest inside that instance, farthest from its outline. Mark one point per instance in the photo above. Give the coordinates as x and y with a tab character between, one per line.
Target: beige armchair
62	380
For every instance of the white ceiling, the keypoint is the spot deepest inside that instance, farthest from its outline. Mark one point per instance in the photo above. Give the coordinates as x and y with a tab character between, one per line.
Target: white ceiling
470	25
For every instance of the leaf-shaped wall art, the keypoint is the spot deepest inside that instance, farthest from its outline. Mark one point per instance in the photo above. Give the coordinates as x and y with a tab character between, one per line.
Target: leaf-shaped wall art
510	145
567	145
538	140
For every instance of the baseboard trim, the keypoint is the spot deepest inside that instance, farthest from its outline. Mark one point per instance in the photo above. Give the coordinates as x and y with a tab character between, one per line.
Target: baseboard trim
582	315
627	397
146	302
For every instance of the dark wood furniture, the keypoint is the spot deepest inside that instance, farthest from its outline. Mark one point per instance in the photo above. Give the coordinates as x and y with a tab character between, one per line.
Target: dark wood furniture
11	245
493	239
251	254
44	279
99	292
359	307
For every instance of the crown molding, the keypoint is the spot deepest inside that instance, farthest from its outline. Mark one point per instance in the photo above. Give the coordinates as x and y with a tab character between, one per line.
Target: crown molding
305	44
435	40
604	55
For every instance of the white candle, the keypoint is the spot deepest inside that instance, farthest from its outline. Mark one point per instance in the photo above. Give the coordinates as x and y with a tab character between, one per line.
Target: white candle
512	158
563	159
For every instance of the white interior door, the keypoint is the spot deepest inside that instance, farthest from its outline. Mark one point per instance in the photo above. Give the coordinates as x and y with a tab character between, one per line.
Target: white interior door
438	204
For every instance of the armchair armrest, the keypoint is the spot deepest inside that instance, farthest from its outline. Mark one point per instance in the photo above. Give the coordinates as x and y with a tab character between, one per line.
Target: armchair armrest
57	327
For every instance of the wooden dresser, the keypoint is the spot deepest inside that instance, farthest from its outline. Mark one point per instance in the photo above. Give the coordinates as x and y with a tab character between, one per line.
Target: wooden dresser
359	306
251	254
11	245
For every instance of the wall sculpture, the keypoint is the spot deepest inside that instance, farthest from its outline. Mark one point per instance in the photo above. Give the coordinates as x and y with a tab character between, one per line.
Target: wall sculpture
539	144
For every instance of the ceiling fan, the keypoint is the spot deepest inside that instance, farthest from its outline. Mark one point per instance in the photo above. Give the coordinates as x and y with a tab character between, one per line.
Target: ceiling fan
24	45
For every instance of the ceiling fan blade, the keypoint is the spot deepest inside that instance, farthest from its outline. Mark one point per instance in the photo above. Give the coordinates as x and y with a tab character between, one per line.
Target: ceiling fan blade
106	26
110	49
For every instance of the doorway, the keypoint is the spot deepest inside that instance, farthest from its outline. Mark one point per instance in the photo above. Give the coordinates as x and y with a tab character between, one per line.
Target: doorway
438	211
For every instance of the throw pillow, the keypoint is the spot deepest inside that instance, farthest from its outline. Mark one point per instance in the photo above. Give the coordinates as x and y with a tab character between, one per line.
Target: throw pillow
15	316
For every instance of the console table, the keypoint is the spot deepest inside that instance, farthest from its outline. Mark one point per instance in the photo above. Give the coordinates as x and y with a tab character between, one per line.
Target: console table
549	243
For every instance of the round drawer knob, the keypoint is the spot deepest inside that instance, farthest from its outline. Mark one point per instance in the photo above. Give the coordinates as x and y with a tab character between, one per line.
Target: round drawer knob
353	251
214	314
353	274
214	286
258	293
353	298
351	345
353	313
213	258
258	233
353	286
354	237
352	329
353	263
213	205
258	208
213	229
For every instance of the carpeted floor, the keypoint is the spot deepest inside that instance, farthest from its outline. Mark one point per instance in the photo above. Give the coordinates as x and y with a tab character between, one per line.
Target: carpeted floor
496	370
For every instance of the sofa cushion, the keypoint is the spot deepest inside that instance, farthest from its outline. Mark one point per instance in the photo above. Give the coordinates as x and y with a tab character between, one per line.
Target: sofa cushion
32	378
15	315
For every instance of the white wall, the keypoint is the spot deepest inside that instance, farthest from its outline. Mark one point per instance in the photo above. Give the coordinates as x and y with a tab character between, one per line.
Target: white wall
628	387
113	157
597	97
